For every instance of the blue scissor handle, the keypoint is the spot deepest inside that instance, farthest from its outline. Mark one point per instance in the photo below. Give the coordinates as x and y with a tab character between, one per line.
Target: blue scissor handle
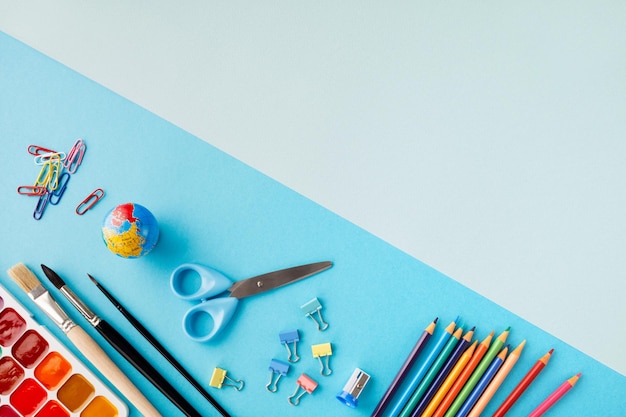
212	283
220	309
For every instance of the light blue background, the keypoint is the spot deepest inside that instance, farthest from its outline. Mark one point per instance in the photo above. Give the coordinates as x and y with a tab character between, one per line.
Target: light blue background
216	210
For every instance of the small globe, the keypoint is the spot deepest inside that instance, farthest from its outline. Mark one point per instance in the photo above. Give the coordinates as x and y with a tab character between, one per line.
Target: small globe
130	230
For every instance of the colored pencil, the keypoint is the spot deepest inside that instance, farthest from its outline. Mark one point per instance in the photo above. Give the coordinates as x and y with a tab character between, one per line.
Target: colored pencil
482	383
478	372
555	396
523	384
431	373
443	372
467	372
497	381
430	357
404	370
447	384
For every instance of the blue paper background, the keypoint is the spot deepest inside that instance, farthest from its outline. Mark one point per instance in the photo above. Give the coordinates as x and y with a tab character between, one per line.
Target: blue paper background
215	210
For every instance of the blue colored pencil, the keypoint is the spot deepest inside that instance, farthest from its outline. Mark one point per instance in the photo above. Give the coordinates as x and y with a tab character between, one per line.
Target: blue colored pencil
460	348
429	359
404	370
482	383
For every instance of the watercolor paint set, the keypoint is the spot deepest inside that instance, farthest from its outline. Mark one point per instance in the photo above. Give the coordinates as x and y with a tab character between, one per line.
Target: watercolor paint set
40	377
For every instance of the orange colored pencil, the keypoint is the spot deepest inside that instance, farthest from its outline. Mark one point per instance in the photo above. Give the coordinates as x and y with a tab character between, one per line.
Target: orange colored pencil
447	383
497	380
523	384
467	372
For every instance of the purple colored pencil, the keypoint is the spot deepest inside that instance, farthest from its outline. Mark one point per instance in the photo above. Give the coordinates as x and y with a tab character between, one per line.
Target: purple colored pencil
404	370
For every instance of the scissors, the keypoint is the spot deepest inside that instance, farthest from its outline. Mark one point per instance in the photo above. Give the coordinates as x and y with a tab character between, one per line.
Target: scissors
213	283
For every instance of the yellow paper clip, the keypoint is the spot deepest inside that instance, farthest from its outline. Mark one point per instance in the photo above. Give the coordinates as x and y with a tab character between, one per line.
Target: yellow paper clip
305	385
220	379
90	201
323	350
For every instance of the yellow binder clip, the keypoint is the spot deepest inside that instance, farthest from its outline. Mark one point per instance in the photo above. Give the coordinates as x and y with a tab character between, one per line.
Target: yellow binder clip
220	379
323	350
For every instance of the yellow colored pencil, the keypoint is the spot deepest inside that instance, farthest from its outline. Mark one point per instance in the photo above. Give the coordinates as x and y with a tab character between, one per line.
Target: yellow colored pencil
497	381
447	383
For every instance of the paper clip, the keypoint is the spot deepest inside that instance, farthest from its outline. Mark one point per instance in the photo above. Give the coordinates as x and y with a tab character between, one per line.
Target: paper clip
290	336
279	368
55	173
314	307
47	157
55	196
320	351
44	175
38	150
90	201
41	206
218	378
304	384
350	393
75	156
31	190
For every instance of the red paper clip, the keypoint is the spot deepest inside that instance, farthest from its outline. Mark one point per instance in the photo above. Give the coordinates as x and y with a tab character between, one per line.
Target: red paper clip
31	190
75	156
38	150
90	201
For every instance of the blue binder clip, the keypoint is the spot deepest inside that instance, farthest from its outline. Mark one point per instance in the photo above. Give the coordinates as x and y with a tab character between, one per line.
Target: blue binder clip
353	388
287	337
279	368
314	307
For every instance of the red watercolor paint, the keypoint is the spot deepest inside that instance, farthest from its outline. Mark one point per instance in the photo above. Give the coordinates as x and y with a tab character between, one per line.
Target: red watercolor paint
11	374
12	325
30	348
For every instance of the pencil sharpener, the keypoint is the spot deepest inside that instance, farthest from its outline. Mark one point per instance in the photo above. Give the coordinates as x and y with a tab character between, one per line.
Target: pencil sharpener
352	390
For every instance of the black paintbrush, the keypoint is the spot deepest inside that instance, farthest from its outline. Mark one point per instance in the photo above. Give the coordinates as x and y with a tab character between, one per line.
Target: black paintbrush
148	336
117	341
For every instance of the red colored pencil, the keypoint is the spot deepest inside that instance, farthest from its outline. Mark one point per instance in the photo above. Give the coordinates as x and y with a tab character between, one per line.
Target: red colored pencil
523	384
555	396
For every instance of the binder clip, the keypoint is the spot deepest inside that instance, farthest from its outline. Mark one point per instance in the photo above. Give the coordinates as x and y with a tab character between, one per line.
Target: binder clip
314	307
350	393
219	377
320	351
305	385
290	336
279	368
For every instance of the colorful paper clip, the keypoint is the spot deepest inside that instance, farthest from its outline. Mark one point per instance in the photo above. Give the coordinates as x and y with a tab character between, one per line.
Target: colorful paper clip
75	156
350	393
314	307
323	350
220	379
55	196
278	368
305	385
38	150
287	337
42	203
90	201
41	159
32	190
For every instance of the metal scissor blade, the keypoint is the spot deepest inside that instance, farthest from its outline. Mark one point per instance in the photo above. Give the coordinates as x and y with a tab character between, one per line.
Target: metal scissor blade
271	280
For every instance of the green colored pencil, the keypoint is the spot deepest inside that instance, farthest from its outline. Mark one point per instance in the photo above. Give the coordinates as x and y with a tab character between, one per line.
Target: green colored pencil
478	372
432	373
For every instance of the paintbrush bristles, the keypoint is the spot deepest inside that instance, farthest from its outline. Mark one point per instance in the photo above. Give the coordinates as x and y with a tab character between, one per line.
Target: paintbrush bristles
23	277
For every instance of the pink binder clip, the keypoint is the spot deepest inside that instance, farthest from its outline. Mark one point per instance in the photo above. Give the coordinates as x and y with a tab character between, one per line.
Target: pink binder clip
305	386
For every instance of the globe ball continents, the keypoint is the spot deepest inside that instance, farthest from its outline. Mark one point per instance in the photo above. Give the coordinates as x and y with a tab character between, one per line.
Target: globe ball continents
130	230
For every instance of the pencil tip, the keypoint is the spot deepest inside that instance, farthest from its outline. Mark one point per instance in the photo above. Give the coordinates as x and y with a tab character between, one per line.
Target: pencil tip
551	351
92	279
436	318
507	329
